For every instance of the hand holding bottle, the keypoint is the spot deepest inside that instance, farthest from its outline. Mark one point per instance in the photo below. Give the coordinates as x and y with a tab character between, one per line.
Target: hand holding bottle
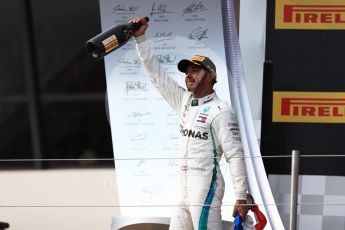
144	24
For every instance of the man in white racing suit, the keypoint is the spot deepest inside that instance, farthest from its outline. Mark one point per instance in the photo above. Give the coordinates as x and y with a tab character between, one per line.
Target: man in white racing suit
209	129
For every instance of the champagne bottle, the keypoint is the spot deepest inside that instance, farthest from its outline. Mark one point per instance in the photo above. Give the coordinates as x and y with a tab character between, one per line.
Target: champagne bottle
111	39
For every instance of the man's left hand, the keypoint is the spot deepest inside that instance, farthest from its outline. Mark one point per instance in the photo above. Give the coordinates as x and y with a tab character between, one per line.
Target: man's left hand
241	208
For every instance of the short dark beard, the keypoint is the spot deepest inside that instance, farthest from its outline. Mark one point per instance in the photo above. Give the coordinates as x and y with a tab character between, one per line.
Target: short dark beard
201	83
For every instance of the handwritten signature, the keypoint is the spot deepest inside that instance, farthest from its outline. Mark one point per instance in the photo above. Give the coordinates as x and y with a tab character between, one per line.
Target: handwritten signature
172	163
136	86
192	8
159	9
166	59
164	34
128	61
120	9
198	34
138	114
141	163
151	190
139	137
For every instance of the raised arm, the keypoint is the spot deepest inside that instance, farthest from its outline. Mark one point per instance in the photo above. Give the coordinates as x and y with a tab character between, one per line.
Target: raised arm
171	91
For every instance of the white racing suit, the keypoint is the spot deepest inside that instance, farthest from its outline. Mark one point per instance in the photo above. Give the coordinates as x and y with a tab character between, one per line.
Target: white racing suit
208	130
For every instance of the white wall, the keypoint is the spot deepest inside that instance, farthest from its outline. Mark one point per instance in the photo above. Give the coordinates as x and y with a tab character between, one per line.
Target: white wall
93	187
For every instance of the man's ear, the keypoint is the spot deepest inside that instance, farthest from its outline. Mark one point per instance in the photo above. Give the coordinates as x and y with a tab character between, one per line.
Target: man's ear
210	77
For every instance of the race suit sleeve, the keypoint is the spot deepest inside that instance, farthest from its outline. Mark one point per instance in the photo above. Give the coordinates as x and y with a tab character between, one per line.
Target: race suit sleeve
171	91
229	141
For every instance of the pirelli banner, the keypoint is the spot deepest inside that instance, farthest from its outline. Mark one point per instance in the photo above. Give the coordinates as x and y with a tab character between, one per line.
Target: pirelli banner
310	14
309	107
304	86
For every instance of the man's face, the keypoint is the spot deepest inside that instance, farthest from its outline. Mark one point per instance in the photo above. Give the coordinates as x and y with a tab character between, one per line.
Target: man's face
195	78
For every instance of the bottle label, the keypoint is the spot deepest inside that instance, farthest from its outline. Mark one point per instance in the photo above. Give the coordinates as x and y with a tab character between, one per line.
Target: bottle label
110	43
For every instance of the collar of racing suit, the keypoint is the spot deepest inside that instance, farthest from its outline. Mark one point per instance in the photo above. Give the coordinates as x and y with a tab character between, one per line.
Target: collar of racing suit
203	100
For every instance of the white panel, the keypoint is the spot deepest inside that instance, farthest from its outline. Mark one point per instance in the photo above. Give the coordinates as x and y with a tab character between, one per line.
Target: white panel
142	123
252	35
